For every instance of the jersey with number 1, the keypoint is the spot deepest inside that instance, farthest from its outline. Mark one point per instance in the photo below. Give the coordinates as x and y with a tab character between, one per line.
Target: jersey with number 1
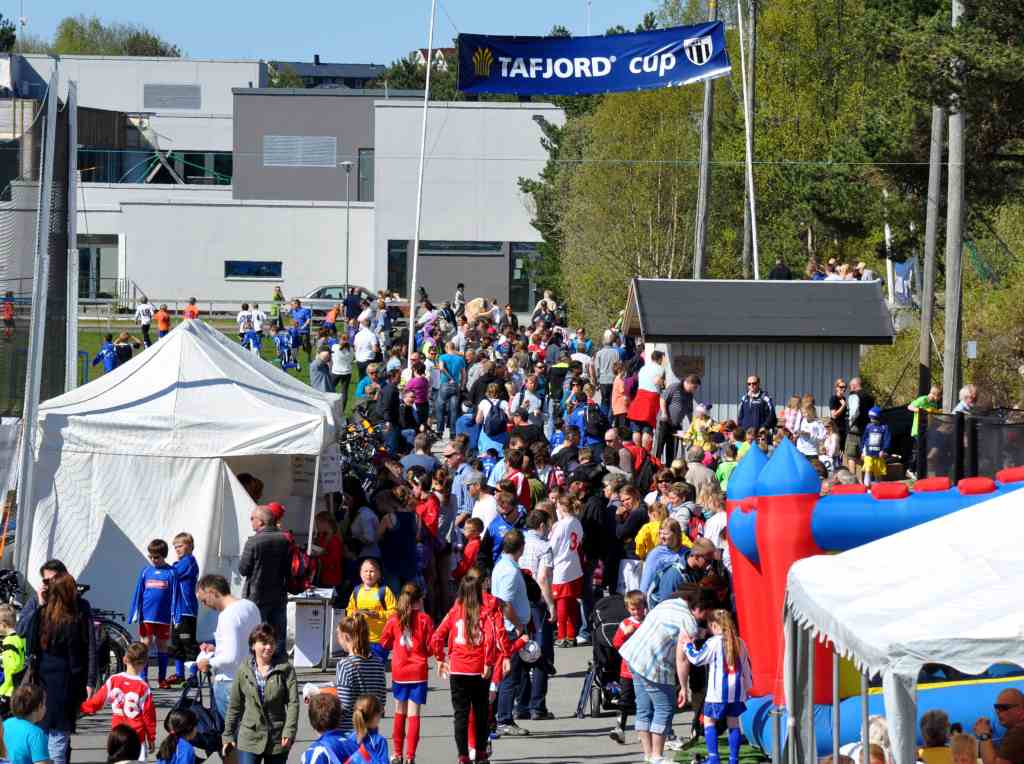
565	539
468	654
410	647
130	703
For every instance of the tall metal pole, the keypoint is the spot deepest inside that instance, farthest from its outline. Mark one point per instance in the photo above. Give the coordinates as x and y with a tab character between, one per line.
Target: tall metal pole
37	330
748	127
419	188
954	248
71	364
588	16
703	190
751	99
348	218
931	230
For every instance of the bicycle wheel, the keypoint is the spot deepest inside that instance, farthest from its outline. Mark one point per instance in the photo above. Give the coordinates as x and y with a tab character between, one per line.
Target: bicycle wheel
110	652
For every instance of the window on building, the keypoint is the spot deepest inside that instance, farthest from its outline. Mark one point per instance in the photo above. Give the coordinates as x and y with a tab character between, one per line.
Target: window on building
365	192
269	270
462	248
300	151
223	168
520	283
398	266
157	96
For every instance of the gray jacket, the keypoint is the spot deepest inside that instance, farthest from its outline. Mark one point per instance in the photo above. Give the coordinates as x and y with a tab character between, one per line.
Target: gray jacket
266	564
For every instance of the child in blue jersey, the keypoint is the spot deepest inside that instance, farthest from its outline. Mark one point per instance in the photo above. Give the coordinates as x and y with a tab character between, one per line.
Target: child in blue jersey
875	441
333	745
729	682
252	339
372	746
488	461
153	605
184	646
176	748
107	354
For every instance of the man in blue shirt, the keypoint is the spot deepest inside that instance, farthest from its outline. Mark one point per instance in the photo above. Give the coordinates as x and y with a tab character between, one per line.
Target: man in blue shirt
509	518
509	587
452	370
302	318
107	354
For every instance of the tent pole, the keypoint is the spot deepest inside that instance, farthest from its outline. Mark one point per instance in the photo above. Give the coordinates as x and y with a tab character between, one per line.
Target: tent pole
312	505
776	714
864	746
835	703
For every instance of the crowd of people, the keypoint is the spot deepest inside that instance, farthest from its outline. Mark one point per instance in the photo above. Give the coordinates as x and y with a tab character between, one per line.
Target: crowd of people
572	471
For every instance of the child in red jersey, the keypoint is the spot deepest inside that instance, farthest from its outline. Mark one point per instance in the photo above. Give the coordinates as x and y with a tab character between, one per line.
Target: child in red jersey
130	701
636	604
407	633
467	636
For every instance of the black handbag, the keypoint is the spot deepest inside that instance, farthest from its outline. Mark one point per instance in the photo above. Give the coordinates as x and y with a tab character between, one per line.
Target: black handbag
209	722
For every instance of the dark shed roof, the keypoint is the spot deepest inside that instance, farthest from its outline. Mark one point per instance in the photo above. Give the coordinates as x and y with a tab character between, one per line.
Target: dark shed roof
325	69
666	310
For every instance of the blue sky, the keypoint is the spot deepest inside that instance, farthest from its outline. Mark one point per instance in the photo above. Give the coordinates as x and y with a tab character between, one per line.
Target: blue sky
377	31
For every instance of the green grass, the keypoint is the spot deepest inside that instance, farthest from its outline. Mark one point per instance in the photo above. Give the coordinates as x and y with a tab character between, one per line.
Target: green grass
89	341
748	754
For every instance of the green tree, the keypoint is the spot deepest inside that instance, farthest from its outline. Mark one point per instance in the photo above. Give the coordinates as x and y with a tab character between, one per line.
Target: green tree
89	35
8	36
285	77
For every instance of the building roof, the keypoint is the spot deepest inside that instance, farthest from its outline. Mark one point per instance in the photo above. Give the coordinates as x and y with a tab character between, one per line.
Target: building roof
378	93
347	71
442	51
671	310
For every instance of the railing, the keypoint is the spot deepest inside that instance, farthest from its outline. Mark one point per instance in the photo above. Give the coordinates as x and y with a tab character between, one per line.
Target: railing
967	445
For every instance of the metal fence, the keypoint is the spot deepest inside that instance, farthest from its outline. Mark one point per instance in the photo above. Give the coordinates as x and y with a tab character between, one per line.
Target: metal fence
968	445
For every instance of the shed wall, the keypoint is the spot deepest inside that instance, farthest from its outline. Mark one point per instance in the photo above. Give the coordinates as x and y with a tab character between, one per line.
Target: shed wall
785	369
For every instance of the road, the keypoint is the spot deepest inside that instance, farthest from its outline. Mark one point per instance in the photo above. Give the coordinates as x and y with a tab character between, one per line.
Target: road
563	740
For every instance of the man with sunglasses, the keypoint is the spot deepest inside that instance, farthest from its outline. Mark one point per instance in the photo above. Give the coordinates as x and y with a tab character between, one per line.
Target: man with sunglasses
756	407
1009	708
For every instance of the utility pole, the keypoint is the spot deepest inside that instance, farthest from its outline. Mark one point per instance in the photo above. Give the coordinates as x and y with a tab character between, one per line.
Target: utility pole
703	191
931	232
954	247
748	242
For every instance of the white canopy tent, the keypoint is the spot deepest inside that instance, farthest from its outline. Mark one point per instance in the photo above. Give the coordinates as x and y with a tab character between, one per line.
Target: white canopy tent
948	592
152	449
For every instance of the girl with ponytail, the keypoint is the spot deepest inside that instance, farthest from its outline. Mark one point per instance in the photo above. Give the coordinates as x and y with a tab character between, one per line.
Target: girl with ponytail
373	747
360	672
408	634
181	728
728	681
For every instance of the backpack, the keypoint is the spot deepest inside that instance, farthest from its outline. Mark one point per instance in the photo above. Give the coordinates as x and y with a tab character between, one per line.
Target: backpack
380	595
652	593
596	422
302	568
496	421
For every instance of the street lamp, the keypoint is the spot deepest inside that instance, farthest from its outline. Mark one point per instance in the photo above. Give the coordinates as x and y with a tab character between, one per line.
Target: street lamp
348	215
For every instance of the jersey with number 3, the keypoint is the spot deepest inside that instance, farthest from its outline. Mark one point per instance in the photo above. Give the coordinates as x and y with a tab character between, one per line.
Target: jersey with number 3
468	654
565	539
130	703
410	647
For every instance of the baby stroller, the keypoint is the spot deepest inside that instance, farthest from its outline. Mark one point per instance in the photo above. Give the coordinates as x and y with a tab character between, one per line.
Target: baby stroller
284	343
600	691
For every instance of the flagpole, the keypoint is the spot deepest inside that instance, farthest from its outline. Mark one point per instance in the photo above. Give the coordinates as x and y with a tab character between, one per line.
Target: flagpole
749	144
419	188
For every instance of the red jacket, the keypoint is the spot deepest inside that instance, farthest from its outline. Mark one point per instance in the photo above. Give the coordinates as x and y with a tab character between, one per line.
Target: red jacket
620	639
429	510
130	702
523	494
468	560
330	567
411	648
467	656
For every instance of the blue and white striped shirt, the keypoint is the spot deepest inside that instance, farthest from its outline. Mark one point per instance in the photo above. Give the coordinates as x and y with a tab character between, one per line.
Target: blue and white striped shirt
650	652
726	684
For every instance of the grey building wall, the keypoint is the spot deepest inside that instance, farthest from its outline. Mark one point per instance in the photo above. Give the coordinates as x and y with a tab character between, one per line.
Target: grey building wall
346	116
484	275
784	368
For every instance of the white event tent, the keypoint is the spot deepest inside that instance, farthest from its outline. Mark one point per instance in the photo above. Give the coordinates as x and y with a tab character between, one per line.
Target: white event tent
948	591
152	449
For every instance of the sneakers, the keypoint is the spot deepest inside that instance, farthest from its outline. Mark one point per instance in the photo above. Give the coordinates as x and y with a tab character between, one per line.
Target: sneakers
618	735
164	684
581	641
511	730
396	759
541	716
564	643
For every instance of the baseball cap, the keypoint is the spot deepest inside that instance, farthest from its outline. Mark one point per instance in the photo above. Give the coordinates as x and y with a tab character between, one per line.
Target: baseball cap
277	510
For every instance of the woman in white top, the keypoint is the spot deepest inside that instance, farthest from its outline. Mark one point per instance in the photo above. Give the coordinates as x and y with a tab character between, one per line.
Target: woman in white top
342	358
567	578
496	440
643	410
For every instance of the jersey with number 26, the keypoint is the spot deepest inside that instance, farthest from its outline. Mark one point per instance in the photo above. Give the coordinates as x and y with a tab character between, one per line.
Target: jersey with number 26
130	703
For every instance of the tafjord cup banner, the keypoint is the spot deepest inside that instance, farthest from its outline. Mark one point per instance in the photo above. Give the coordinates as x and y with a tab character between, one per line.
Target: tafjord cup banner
587	65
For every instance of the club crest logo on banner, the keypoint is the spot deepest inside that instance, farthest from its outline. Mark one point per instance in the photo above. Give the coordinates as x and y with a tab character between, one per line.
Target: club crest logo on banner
589	65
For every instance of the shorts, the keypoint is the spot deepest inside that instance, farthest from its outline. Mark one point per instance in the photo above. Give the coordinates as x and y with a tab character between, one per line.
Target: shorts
875	466
162	332
853	445
183	639
162	631
9	323
718	711
641	427
414	691
655	706
568	590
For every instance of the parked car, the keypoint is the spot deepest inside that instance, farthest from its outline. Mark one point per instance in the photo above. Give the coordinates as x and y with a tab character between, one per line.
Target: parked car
323	298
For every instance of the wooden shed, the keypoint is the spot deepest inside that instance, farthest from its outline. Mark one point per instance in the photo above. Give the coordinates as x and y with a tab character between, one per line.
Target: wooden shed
797	336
